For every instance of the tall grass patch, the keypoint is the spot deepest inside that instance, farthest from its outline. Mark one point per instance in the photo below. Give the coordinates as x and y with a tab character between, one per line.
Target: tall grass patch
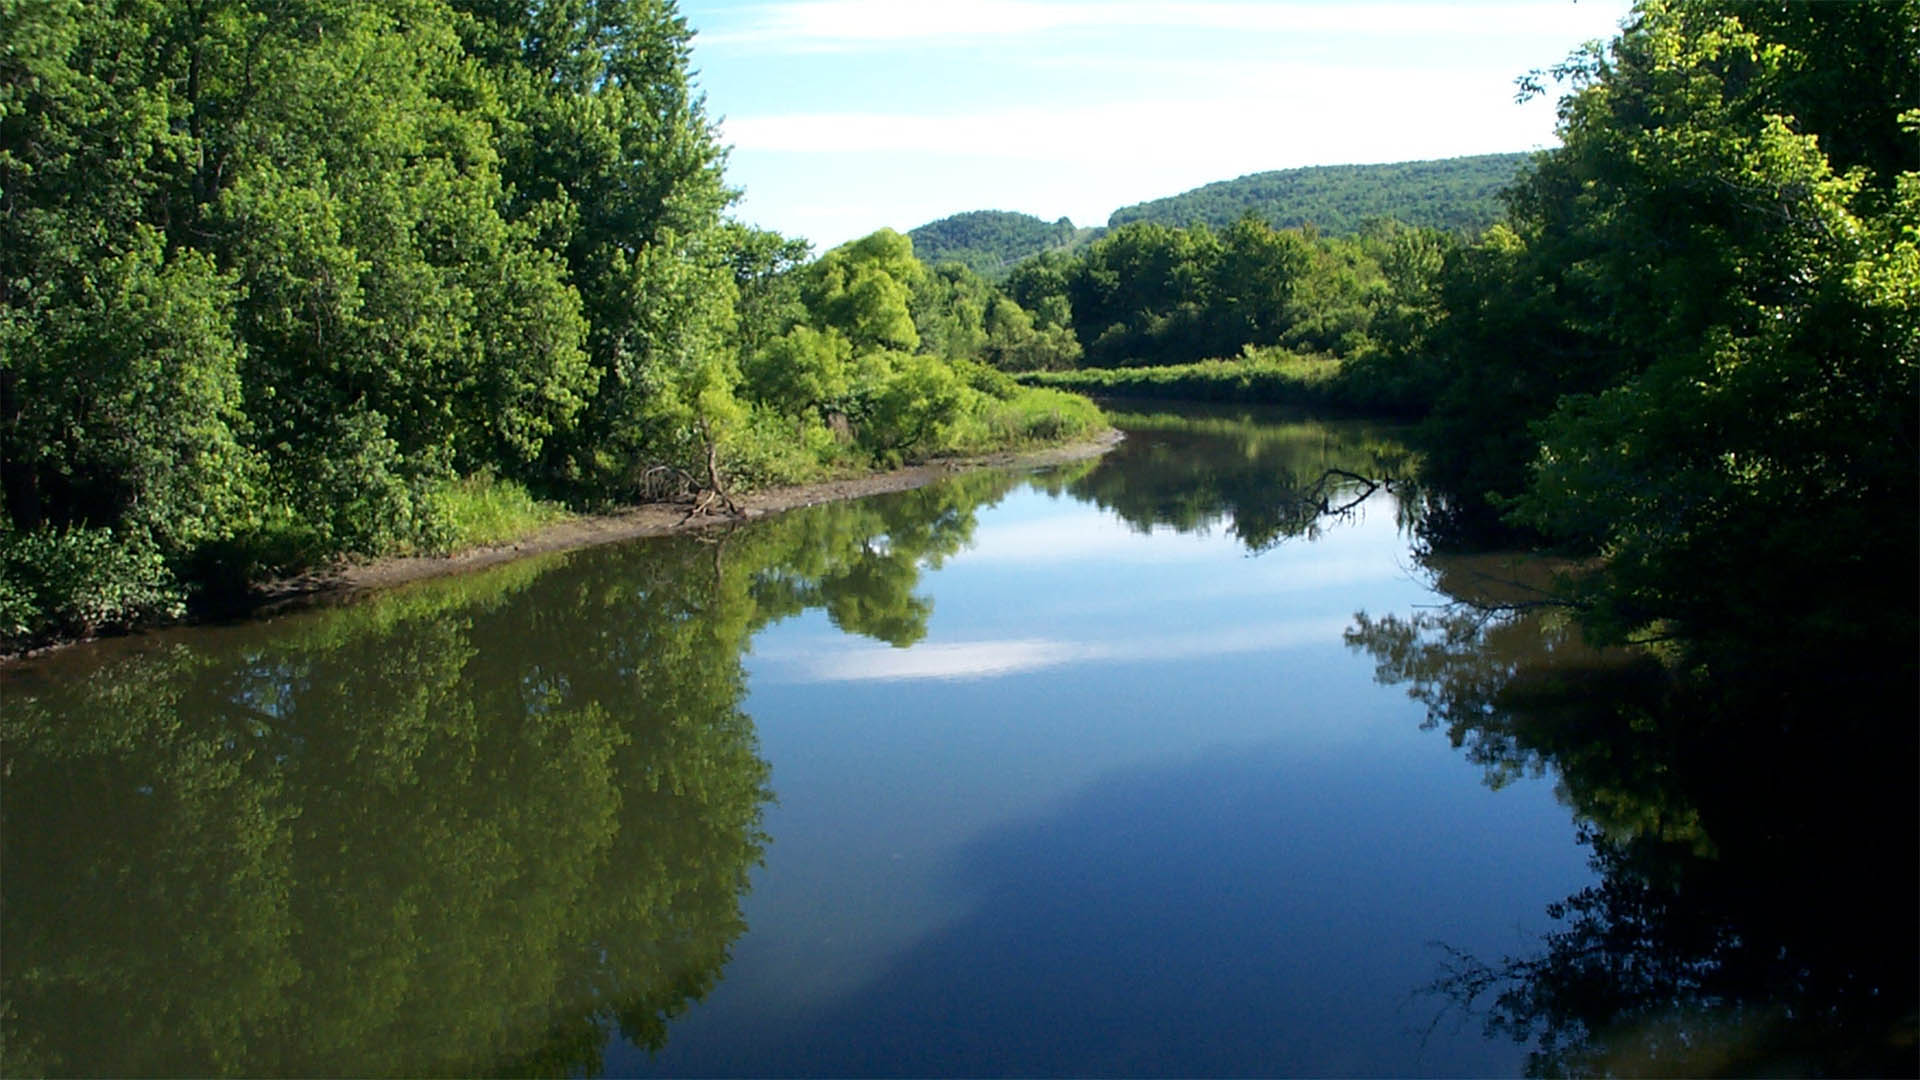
1033	416
1260	376
483	510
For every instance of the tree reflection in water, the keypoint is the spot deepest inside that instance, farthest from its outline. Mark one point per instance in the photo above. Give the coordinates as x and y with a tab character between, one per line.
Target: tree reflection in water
470	827
1756	904
1279	480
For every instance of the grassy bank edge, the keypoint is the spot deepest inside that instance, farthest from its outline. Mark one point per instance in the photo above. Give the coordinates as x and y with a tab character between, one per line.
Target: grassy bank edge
1267	378
1293	380
494	521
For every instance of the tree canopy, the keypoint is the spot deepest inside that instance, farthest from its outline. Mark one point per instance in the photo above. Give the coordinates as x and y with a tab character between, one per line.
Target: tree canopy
1151	294
275	277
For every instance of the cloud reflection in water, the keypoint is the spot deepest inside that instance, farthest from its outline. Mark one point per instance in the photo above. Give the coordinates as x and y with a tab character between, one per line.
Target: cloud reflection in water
863	661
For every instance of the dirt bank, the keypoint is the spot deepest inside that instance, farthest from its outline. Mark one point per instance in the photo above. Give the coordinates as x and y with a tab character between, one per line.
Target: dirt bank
653	519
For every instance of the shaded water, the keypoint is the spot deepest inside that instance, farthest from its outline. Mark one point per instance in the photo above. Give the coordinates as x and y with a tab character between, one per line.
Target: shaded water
1128	768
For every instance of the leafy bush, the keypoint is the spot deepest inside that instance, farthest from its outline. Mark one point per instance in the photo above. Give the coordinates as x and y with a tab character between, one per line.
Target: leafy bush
913	406
80	581
363	494
773	448
1032	416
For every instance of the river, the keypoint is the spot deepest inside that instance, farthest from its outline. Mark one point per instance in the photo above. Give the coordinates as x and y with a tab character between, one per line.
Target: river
1182	762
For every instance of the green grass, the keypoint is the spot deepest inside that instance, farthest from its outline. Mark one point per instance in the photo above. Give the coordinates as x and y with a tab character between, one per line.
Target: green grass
1033	416
1264	376
482	510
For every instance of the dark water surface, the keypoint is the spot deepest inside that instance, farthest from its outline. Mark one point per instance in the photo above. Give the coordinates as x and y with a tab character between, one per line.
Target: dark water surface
1164	765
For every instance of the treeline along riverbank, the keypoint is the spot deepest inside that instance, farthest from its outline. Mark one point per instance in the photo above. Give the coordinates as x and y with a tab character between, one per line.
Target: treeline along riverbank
287	283
281	288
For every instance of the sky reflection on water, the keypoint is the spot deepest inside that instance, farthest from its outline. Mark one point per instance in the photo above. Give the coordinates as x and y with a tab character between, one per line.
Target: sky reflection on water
1008	775
1130	807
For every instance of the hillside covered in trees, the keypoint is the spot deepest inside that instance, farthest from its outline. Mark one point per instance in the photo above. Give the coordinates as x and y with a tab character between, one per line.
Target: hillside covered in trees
1460	195
990	242
280	285
1457	195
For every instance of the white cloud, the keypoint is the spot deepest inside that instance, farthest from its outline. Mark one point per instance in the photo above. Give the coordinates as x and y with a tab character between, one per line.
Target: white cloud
1269	114
814	25
1054	107
966	660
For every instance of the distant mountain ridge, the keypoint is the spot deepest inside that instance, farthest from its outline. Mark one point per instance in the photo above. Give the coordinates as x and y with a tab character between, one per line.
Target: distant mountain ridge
1456	194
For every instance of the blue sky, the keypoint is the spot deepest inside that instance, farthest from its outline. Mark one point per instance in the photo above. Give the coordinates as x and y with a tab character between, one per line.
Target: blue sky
848	115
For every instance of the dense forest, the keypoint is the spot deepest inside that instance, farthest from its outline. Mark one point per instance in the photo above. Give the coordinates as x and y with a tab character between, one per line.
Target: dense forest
990	242
286	282
1148	295
1696	349
1460	195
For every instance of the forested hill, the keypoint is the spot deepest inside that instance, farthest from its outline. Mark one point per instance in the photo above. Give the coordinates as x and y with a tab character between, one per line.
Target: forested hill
990	242
1454	194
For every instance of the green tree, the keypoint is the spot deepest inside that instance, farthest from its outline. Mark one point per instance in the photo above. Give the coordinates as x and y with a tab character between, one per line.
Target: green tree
1765	417
1141	293
610	162
1040	285
864	290
1675	215
950	311
911	401
766	284
804	371
124	409
336	166
119	366
1259	271
1015	343
1395	372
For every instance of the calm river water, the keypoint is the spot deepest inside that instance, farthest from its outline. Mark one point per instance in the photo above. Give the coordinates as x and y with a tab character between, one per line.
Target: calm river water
1169	764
